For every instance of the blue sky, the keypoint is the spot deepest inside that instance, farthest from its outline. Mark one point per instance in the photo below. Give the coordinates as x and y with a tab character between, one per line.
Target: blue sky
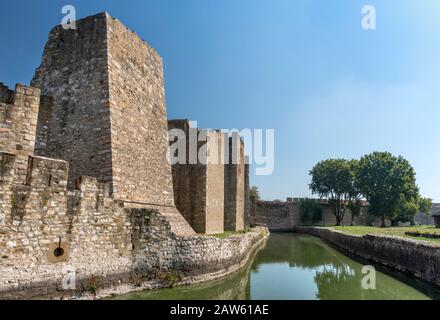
305	68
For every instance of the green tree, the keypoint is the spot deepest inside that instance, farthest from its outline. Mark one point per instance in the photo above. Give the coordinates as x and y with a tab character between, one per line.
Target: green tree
355	207
388	183
310	211
254	192
354	194
406	210
425	205
333	179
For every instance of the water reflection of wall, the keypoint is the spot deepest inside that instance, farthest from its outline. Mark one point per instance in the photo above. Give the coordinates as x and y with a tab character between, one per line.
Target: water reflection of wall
293	266
305	252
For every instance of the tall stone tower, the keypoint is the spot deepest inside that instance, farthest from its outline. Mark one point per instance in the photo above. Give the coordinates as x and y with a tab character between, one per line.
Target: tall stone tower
107	114
235	185
199	187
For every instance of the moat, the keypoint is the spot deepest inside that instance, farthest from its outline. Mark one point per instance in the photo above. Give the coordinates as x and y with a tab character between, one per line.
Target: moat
292	267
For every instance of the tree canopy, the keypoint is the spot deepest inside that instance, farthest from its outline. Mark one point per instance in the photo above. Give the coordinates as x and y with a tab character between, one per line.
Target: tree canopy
254	192
334	179
387	182
389	185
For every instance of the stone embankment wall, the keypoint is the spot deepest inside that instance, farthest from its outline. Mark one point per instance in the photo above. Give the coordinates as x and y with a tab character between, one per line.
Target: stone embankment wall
156	247
418	258
153	256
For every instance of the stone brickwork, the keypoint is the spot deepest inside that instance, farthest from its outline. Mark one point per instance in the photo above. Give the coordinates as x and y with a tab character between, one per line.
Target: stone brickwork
247	195
6	94
418	258
199	187
46	227
285	215
108	117
18	123
103	111
276	215
235	185
85	185
188	255
74	72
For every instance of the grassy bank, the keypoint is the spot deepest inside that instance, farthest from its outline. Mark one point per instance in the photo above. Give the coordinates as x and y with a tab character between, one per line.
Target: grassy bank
393	231
227	234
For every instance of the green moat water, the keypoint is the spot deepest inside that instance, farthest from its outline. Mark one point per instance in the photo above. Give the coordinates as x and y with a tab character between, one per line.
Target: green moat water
293	267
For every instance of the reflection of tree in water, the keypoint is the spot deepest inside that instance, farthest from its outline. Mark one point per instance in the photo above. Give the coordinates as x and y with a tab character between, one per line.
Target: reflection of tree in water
333	275
337	276
338	282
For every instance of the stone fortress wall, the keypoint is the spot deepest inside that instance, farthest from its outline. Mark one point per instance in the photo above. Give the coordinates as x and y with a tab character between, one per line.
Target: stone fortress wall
235	172
210	188
285	215
84	179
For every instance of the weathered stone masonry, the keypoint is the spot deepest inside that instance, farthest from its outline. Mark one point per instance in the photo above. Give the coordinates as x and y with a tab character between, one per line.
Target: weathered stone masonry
103	115
18	123
108	118
106	113
235	185
285	215
211	187
199	182
418	258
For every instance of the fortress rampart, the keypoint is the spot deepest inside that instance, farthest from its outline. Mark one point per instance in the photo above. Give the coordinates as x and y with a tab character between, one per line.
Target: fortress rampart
85	184
211	186
285	215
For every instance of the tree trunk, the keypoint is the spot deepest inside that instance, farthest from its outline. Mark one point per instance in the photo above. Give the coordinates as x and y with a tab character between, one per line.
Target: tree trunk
338	220
383	222
352	220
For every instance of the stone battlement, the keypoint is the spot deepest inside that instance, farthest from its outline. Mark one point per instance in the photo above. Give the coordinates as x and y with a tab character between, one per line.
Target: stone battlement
18	123
6	94
85	181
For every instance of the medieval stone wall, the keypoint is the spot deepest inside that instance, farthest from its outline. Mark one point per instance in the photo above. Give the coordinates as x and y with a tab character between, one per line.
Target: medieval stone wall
103	111
247	194
138	116
199	186
47	227
285	215
155	247
18	122
74	73
6	94
235	185
215	174
277	216
107	117
85	184
418	258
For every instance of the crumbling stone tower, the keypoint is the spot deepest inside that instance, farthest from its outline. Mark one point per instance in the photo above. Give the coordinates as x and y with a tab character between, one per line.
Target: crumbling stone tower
107	114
